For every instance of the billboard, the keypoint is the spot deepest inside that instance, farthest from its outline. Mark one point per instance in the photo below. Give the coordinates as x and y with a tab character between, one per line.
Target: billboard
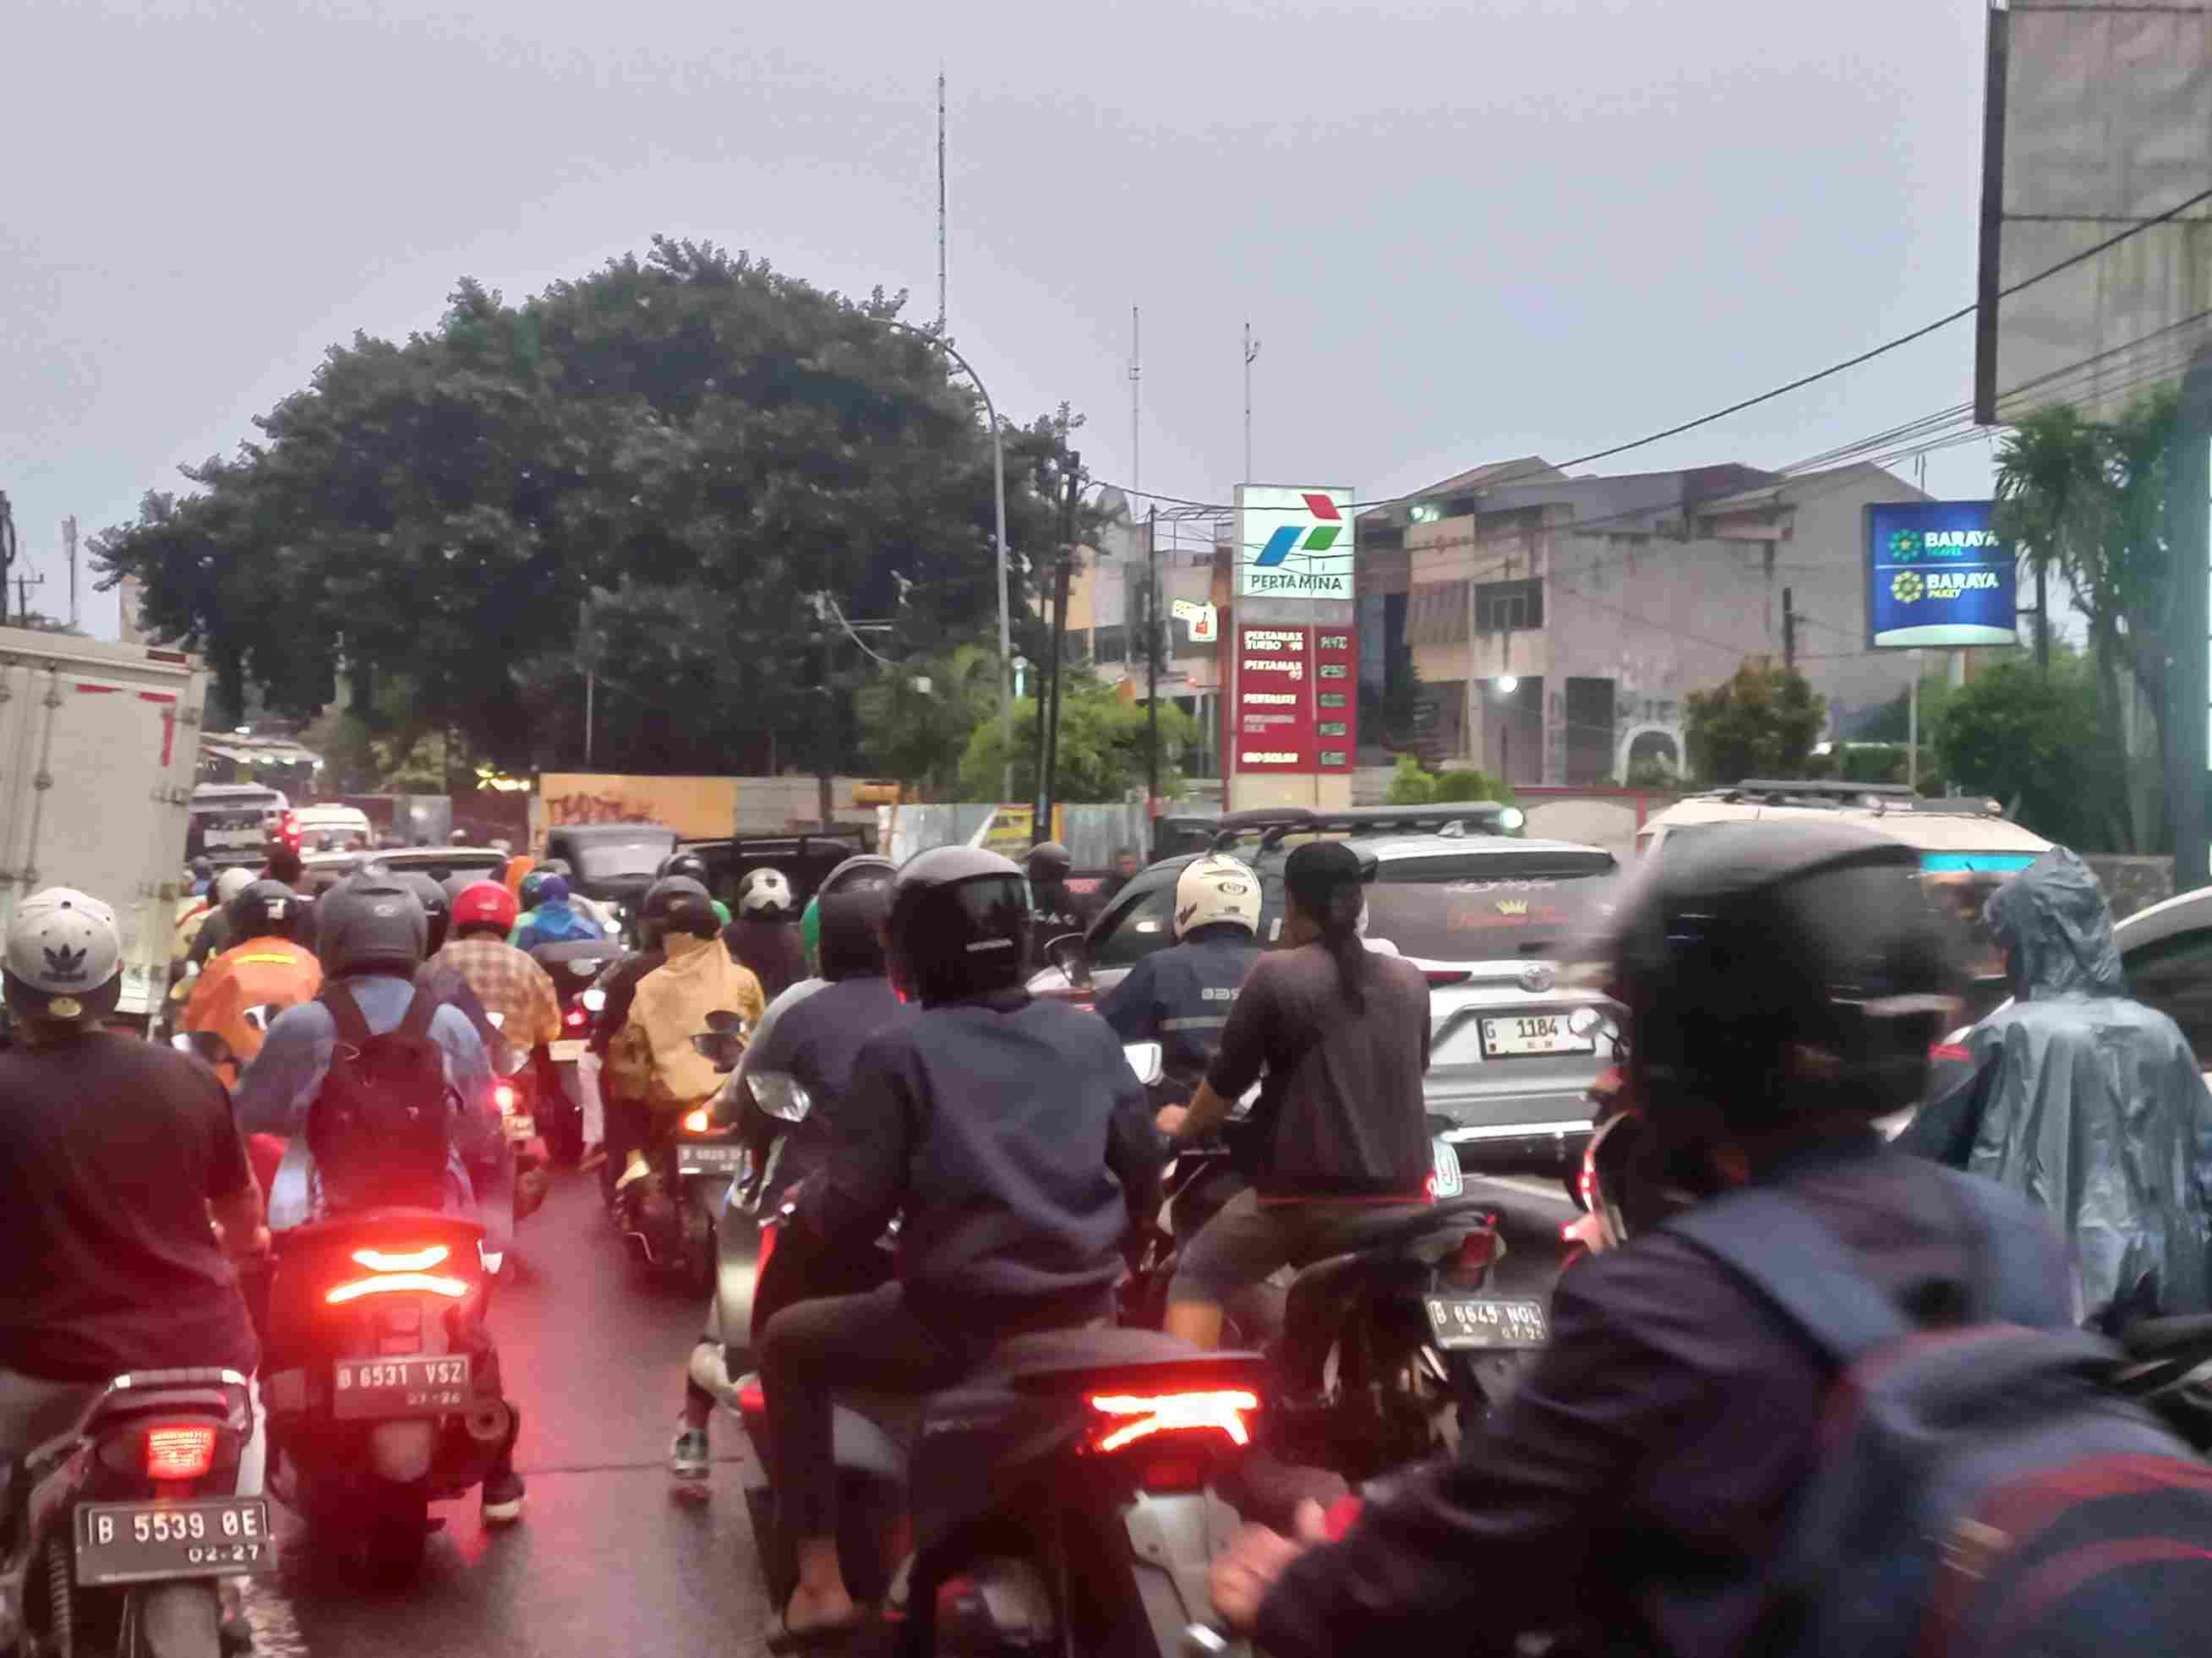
1298	699
1293	542
1938	577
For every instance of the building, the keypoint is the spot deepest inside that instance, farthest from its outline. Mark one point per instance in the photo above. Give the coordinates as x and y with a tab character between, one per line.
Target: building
1557	624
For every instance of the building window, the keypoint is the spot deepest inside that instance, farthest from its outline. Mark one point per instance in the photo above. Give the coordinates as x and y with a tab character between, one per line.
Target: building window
1509	606
1110	643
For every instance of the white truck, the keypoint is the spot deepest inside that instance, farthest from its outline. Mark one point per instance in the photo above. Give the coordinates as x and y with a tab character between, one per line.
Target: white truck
99	749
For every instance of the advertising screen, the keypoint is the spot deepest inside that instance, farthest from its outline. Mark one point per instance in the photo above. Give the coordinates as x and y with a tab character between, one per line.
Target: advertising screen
1937	577
1274	699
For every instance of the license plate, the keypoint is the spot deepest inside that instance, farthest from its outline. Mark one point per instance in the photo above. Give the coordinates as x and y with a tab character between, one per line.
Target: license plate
520	1128
228	836
1480	1322
379	1389
211	1537
1534	1033
567	1051
711	1159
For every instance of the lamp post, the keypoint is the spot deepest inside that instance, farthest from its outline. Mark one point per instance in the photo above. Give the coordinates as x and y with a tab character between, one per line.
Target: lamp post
999	493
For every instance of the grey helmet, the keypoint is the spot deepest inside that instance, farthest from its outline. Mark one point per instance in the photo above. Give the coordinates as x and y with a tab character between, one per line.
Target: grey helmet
372	923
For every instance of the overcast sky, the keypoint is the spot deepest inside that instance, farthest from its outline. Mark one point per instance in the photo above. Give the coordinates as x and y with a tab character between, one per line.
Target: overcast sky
1461	231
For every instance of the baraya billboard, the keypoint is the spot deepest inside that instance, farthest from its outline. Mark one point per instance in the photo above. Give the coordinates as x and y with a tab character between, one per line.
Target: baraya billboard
1293	542
1938	577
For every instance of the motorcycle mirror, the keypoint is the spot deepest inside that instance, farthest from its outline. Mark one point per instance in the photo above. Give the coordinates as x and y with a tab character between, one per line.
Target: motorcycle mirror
505	1057
723	1048
1147	1059
1070	954
725	1023
782	1095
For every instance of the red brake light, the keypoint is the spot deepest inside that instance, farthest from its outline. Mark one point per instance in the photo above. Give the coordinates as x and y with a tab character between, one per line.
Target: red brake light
575	1016
288	829
398	1274
1131	1416
698	1122
503	1096
1949	1051
751	1400
1438	976
184	1452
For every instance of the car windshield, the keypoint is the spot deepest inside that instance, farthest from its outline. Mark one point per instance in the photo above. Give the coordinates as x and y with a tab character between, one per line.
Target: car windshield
1493	907
610	860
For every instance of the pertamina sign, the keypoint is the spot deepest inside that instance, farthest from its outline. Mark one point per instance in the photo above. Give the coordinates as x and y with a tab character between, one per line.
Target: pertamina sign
1293	542
1297	698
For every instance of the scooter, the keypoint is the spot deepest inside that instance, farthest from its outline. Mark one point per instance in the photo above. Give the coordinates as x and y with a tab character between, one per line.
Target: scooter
673	1212
123	1515
559	1087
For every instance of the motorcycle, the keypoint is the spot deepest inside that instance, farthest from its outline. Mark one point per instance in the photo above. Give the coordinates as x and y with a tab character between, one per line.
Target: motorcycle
123	1515
558	1085
672	1211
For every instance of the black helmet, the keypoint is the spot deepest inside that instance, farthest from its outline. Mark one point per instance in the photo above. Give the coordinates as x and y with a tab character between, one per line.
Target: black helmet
680	904
959	924
1773	973
1048	862
266	910
852	945
689	864
437	908
372	923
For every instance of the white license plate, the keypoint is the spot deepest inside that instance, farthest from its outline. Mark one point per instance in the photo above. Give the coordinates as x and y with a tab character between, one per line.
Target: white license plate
711	1159
1532	1033
136	1542
520	1128
569	1050
1478	1322
377	1389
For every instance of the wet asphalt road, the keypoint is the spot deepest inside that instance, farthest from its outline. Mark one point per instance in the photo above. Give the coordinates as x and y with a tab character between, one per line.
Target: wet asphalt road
603	1560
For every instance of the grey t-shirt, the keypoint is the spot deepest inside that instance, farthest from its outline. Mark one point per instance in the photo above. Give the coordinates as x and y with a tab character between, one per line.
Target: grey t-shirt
1342	1100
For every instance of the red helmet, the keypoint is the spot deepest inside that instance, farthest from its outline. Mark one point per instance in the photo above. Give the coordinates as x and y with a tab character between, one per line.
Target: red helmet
485	903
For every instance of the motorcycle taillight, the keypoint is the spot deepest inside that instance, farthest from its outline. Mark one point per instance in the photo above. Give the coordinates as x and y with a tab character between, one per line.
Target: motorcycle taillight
179	1451
1477	1252
1122	1419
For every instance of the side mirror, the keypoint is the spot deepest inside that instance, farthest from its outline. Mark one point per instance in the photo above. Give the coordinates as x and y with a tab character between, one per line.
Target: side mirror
1070	954
782	1095
505	1057
723	1048
725	1023
1147	1059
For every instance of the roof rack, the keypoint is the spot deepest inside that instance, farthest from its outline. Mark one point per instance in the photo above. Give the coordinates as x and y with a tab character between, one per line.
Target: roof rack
1834	792
1273	823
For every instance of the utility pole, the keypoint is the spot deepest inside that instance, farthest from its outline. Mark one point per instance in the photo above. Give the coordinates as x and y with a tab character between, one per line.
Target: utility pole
940	203
23	584
1136	403
1042	829
1789	633
8	548
1251	353
68	547
1152	654
2042	617
826	749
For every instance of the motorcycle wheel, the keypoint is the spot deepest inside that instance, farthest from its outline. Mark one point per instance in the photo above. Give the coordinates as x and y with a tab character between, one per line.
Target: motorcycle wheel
171	1620
393	1542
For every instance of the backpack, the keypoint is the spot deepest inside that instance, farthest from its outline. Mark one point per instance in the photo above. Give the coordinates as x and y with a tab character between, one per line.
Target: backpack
1979	1489
378	1125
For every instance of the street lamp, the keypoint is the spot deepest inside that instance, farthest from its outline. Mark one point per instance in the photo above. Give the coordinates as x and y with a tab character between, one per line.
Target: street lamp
1506	684
999	492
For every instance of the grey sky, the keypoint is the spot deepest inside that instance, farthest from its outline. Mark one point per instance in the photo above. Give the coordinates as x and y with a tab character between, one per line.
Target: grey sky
1461	231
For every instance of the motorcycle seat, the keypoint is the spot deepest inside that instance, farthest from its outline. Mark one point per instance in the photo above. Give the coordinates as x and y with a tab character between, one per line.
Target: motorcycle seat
1105	1356
2169	1337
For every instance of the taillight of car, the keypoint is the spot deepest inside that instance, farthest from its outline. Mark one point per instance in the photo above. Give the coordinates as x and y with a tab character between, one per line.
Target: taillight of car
182	1451
1440	976
288	829
1125	1419
575	1019
398	1274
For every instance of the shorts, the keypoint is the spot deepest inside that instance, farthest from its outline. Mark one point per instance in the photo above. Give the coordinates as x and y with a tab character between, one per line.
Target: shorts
1249	1242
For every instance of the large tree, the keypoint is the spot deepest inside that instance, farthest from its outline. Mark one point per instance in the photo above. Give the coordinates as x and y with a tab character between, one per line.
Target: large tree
1762	721
651	471
2029	737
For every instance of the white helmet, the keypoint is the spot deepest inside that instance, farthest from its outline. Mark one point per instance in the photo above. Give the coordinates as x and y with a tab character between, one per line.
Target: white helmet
1215	888
764	892
231	882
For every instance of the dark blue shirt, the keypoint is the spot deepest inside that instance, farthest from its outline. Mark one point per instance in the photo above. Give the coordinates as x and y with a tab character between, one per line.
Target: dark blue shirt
1180	998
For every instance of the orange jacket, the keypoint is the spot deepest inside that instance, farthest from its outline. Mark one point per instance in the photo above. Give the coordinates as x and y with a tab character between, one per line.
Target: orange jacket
266	972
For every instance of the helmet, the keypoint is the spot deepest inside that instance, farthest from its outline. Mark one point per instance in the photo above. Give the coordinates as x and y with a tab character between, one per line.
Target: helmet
684	863
1772	974
484	904
959	924
851	931
1215	888
371	923
437	909
231	883
864	869
458	838
680	904
765	893
1048	862
266	910
552	888
531	889
203	870
64	957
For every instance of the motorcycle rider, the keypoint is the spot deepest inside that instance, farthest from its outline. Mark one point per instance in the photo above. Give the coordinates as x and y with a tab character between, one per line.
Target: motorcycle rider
2084	1101
592	909
507	981
1782	994
762	940
1054	905
617	986
692	865
1342	1033
372	936
552	920
269	969
1180	997
1011	1135
814	1040
115	1153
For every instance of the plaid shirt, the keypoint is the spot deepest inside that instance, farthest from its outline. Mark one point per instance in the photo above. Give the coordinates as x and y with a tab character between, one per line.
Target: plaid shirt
508	983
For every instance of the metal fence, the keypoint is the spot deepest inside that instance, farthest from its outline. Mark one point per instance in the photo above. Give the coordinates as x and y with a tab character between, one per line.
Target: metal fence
1091	834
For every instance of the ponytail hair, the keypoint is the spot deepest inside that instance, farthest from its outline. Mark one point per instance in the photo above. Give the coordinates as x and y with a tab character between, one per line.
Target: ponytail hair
1323	878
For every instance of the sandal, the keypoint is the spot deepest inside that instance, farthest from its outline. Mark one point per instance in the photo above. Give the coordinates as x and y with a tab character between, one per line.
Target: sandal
822	1637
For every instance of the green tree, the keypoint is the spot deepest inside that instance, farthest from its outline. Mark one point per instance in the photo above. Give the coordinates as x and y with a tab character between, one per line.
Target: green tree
1760	722
1410	785
917	718
1105	747
2029	738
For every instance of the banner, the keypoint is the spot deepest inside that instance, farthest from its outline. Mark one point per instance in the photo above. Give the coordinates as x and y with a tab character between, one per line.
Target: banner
1938	577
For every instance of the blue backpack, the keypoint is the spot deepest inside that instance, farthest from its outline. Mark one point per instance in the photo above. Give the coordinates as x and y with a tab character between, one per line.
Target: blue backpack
1980	1490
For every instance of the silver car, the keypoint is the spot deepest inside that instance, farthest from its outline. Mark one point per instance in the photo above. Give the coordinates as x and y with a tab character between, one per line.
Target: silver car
1513	1051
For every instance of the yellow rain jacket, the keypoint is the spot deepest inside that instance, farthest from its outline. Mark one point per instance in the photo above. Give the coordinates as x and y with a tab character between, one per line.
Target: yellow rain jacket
653	1055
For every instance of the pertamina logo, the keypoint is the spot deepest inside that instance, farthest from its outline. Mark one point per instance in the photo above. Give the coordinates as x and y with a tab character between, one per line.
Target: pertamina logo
1316	539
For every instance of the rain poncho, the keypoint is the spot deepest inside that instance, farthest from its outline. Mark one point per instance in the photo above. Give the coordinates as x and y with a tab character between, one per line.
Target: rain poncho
555	921
671	1005
2087	1103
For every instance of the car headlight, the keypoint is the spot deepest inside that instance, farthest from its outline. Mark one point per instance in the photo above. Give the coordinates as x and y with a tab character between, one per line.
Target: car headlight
1511	818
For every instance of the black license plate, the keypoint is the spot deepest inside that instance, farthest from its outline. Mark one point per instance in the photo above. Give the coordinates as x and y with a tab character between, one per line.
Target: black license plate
134	1542
711	1159
378	1389
1460	1321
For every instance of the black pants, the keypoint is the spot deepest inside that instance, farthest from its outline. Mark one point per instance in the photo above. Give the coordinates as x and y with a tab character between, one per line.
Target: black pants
630	1128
